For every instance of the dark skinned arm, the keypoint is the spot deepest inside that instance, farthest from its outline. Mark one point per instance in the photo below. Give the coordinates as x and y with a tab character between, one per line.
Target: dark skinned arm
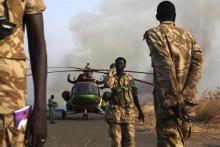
37	125
136	101
137	104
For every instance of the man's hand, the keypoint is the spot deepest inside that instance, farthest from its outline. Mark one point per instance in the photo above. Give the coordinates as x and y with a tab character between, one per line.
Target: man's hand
183	114
36	133
112	66
141	116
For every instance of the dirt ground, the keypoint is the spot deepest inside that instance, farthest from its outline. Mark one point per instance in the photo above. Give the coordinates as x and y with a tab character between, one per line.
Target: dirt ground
76	132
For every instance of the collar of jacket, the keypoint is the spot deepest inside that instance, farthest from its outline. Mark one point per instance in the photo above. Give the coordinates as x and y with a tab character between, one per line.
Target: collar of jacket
167	23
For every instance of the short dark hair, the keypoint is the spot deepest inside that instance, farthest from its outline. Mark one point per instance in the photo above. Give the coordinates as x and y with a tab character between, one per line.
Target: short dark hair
166	11
120	58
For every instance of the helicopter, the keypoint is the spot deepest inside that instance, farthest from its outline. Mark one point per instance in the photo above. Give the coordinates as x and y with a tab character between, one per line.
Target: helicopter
85	94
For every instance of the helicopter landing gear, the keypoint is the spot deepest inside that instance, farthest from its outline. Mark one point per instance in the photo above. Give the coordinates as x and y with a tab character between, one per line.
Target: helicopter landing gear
63	115
85	115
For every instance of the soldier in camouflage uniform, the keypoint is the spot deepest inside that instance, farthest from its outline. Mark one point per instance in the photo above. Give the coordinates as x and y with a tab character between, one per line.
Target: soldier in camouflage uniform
177	62
13	73
121	111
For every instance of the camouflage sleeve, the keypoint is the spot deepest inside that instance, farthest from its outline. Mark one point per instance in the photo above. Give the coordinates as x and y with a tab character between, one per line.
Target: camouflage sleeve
1	8
109	80
194	73
161	62
34	6
133	86
164	70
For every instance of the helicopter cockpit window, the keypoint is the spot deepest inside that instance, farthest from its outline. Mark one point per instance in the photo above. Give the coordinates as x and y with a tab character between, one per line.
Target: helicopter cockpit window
85	88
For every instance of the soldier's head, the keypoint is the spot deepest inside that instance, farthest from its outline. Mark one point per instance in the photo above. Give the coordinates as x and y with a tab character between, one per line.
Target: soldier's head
166	11
52	96
120	64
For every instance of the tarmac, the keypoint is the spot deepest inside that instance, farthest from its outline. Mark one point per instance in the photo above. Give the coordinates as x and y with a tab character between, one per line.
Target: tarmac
76	132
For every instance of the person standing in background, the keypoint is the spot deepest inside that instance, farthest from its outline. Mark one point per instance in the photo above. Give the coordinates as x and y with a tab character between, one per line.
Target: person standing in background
120	114
52	104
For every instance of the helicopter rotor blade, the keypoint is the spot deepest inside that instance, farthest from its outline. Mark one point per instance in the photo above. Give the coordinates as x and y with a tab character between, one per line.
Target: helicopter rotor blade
60	67
77	69
100	72
71	67
131	71
60	71
145	82
57	71
95	70
140	72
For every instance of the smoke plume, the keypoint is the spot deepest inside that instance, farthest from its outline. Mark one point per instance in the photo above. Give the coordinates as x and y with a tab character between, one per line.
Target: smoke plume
118	27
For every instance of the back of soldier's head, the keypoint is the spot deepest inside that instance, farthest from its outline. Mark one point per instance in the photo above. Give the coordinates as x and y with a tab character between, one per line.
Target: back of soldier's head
166	11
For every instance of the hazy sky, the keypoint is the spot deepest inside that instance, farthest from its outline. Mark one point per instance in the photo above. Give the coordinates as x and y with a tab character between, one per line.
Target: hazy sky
57	17
98	31
59	37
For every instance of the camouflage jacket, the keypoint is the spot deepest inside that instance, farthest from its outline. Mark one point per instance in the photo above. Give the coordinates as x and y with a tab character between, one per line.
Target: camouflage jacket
177	61
12	47
12	57
121	106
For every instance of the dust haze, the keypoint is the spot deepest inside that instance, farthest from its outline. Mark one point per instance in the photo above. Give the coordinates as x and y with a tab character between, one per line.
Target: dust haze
118	28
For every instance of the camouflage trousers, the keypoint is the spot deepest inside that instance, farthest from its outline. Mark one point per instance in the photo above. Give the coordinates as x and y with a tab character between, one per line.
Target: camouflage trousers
122	134
171	131
171	135
9	135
